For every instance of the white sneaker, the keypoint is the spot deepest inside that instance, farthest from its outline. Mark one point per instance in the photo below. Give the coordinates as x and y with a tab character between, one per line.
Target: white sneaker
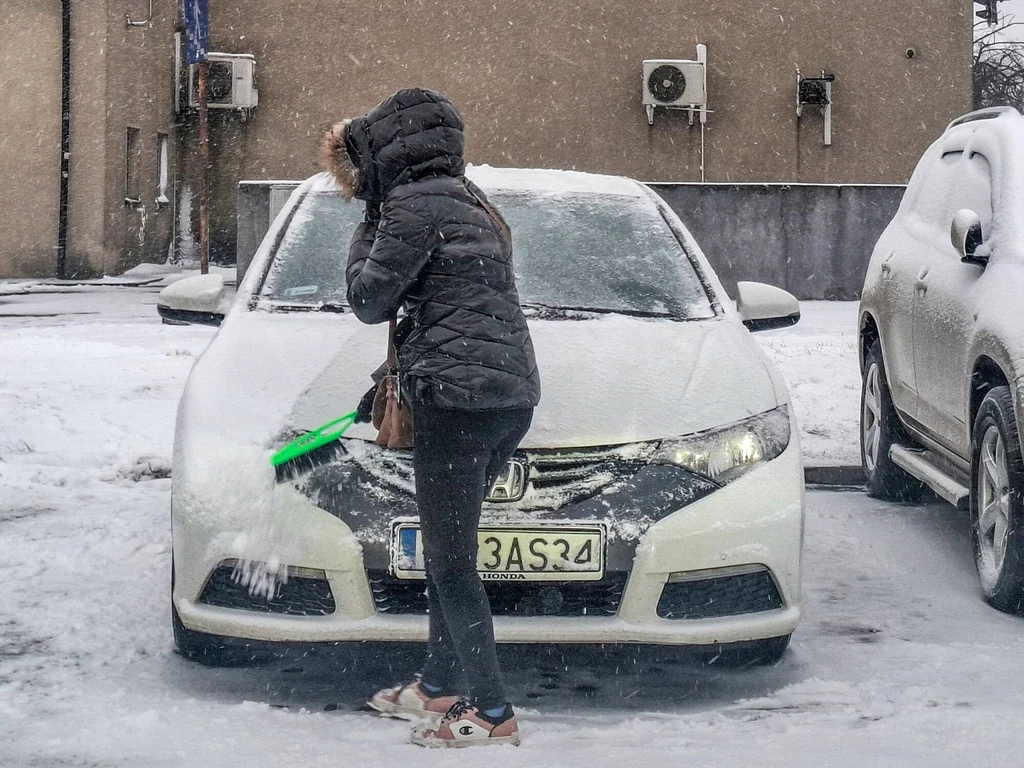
465	726
412	702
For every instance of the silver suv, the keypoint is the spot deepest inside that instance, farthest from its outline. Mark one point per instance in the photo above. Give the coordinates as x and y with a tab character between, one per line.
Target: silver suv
942	342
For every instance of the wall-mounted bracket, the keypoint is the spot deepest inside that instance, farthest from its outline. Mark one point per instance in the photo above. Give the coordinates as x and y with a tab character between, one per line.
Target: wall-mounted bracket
145	22
816	92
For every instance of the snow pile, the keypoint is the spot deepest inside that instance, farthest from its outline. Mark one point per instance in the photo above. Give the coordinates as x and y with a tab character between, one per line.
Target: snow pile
818	358
897	661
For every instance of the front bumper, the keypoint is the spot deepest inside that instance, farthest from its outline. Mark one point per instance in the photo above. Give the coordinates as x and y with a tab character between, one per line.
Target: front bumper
757	519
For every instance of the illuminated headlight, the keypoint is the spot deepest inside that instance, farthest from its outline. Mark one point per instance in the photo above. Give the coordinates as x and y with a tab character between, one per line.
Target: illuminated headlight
725	453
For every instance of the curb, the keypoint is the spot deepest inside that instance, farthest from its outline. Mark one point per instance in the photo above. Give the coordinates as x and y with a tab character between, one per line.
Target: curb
847	475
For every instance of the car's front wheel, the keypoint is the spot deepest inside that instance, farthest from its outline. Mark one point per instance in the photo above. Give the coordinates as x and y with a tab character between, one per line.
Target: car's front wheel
880	429
213	650
997	507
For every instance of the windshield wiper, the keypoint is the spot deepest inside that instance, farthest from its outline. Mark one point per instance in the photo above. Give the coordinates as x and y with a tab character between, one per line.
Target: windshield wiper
297	306
332	306
564	310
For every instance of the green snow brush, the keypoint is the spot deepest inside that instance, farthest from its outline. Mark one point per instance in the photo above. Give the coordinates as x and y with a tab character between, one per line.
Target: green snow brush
312	450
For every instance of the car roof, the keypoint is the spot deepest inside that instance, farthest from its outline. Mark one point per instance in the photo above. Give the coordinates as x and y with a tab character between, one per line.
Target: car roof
540	180
552	181
1003	125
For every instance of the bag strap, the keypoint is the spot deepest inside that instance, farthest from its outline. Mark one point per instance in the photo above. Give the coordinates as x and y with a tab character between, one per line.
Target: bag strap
392	362
490	209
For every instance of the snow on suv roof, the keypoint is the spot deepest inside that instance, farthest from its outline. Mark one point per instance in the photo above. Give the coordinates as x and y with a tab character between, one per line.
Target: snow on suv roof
551	181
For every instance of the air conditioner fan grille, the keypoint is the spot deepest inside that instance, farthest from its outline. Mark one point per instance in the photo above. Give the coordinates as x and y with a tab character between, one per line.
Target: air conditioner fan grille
667	84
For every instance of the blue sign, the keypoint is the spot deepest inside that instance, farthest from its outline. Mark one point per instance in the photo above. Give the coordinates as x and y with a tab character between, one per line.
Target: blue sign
197	31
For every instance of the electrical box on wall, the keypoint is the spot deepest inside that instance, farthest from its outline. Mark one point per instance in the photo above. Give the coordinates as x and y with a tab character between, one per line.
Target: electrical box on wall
231	82
676	84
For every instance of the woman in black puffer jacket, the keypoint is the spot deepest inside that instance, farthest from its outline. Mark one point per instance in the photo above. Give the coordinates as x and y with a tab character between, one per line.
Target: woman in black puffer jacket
431	243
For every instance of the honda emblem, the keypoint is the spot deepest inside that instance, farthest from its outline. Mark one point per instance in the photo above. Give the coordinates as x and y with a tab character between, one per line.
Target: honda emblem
511	483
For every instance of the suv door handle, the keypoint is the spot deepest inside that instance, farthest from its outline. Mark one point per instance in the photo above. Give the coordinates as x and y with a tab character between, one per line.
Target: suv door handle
921	285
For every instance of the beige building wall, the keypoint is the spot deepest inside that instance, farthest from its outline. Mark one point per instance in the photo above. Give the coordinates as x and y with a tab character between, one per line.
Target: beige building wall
139	93
558	84
29	136
120	77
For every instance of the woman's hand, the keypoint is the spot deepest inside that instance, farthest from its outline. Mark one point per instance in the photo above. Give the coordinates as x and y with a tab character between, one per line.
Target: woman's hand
372	214
364	412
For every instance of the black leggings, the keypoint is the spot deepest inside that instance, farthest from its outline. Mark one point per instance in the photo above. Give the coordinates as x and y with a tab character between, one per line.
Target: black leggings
458	456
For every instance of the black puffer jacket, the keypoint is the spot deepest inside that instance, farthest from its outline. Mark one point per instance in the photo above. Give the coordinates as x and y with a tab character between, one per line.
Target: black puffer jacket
437	251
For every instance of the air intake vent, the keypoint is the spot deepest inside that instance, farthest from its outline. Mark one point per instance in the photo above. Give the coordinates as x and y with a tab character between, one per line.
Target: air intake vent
300	596
708	596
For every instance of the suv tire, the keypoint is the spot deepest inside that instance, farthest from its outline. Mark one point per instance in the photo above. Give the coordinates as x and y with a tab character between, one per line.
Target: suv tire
997	506
880	428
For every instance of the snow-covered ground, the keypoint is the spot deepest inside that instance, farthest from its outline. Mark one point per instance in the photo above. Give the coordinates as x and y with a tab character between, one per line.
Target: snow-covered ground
818	357
897	662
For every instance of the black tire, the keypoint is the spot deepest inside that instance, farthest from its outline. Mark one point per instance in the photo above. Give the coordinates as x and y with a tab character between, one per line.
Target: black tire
752	653
1002	577
884	479
214	650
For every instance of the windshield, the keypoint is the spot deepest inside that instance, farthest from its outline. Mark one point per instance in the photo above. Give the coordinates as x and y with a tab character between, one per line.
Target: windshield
571	249
309	265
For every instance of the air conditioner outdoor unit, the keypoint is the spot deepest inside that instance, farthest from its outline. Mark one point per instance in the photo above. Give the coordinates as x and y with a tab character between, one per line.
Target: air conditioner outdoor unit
230	82
676	84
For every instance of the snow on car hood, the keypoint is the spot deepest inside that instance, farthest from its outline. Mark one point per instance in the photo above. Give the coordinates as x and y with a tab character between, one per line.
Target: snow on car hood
605	381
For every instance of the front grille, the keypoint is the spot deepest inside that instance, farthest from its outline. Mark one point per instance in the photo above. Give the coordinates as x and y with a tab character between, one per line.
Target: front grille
507	598
572	476
300	596
727	595
555	478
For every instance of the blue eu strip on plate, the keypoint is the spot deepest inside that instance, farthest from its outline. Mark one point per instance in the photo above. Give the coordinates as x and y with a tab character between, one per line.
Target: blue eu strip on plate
408	544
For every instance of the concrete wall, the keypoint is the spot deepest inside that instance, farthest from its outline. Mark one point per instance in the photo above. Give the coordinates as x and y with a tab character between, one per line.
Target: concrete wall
559	84
814	240
120	77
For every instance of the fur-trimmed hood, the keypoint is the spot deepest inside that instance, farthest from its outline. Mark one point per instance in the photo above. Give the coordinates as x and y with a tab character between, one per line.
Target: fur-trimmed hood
337	161
408	136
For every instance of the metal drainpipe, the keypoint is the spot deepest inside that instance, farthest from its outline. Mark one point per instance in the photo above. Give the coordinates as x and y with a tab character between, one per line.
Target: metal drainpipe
65	138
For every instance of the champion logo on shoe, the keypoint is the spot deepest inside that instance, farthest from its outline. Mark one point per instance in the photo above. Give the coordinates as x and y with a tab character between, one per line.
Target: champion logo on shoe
464	726
470	729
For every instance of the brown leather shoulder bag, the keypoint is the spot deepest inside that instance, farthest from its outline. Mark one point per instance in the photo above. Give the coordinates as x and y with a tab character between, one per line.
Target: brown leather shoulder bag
392	416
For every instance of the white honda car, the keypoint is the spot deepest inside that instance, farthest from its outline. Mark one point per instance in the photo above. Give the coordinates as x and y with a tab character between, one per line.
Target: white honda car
657	499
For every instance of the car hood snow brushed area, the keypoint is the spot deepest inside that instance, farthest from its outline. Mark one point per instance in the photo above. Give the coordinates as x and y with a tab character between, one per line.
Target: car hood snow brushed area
605	381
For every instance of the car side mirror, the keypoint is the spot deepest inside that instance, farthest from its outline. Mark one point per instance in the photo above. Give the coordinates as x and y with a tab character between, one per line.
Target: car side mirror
966	235
765	307
193	300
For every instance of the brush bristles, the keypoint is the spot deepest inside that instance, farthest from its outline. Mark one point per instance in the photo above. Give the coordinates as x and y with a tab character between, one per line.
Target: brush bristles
301	465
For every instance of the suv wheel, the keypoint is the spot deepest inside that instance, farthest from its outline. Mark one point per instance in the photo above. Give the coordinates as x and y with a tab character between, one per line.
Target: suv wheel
880	428
997	509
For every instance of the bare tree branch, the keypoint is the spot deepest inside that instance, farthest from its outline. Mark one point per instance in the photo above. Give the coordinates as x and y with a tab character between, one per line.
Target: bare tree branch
999	71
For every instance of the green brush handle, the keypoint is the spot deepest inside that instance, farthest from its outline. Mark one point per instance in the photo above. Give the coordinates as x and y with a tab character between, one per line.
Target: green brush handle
328	433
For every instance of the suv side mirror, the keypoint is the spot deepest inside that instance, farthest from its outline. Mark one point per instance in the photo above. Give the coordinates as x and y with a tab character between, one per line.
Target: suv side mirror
966	235
193	300
765	307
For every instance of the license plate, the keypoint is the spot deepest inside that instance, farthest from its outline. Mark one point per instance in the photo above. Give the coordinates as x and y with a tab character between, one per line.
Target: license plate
563	553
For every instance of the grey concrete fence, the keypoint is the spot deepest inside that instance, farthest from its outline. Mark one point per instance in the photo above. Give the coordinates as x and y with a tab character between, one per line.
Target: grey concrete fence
814	240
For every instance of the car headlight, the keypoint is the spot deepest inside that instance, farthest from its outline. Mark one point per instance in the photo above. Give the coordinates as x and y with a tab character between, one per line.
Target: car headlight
725	453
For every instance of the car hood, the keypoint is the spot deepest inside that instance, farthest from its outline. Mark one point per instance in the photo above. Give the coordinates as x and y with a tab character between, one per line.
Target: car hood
605	381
